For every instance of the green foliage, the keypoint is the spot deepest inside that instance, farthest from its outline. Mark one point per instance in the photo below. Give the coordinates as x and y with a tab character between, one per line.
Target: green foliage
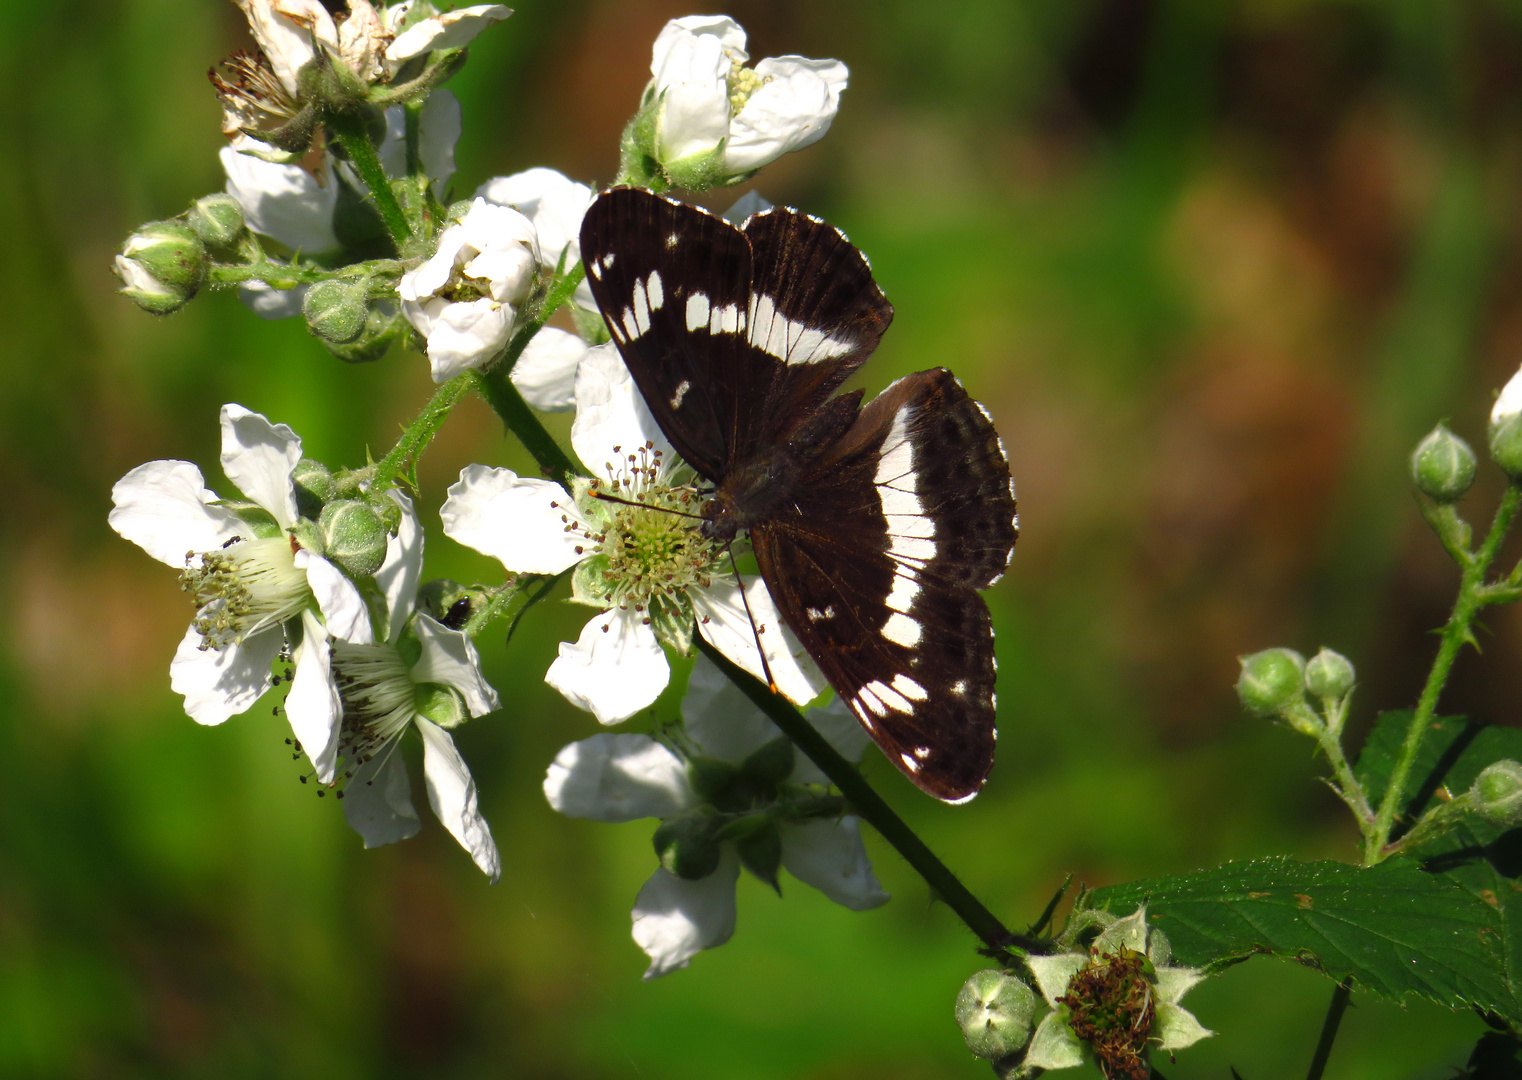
1395	928
1383	746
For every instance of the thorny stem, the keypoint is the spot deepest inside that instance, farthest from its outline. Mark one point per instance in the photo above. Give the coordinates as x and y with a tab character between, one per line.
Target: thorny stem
366	162
1473	595
867	803
402	458
1329	1026
288	276
503	397
1347	787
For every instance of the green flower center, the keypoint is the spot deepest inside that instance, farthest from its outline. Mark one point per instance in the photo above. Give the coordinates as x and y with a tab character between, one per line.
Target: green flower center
1112	1007
378	694
650	545
743	82
243	588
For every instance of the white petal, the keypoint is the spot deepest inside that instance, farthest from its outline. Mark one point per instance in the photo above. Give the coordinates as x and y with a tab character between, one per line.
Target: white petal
617	778
1176	1028
259	457
439	127
343	609
829	856
793	109
137	277
545	373
741	209
466	335
399	575
1509	402
454	246
1054	1046
720	719
731	36
268	303
614	670
1053	973
285	30
555	204
313	706
361	39
692	79
162	507
284	202
378	799
674	920
724	622
452	794
218	683
451	30
611	413
449	658
516	520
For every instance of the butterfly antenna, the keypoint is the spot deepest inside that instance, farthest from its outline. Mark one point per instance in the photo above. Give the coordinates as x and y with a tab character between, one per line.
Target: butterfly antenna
766	668
643	506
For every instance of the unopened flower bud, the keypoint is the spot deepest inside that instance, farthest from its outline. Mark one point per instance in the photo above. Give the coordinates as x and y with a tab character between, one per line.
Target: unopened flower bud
1329	675
354	536
1497	793
995	1011
1271	681
217	219
1505	434
161	266
688	845
314	486
336	311
1442	466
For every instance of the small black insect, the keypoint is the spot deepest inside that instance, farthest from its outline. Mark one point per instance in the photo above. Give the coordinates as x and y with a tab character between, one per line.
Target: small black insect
873	526
458	614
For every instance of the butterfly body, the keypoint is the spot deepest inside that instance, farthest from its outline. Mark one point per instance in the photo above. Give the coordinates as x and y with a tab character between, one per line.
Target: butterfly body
873	526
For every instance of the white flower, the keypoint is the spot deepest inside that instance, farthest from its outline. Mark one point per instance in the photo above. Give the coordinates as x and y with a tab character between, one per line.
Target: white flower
647	567
618	778
252	586
463	299
555	204
706	100
381	691
1509	402
1114	986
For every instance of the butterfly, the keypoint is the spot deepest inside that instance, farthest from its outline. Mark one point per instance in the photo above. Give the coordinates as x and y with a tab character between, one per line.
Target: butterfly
873	526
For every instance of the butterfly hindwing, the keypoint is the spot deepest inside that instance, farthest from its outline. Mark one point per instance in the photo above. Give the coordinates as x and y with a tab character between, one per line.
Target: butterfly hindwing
877	568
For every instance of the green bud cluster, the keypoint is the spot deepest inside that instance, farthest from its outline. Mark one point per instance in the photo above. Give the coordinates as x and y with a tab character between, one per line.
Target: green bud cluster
162	265
1271	681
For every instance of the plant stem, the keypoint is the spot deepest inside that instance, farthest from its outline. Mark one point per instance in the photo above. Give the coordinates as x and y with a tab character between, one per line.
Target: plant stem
1334	1011
870	806
503	397
362	155
401	459
1471	599
287	276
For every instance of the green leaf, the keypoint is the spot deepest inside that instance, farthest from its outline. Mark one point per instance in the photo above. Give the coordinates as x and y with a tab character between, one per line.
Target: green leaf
1377	760
1396	929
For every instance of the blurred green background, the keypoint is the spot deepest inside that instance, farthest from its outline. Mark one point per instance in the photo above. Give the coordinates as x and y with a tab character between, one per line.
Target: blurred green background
1214	267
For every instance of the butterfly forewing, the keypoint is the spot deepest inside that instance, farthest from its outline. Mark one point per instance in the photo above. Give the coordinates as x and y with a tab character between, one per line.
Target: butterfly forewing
879	566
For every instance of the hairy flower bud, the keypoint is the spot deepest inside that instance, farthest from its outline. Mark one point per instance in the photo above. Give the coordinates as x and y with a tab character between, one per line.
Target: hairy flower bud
161	266
216	219
1442	466
1271	681
995	1011
336	311
1329	675
314	486
1497	793
354	536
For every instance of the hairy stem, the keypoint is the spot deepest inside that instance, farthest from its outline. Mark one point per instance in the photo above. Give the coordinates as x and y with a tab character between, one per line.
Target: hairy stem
366	162
508	404
1329	1026
869	805
402	458
1473	596
287	276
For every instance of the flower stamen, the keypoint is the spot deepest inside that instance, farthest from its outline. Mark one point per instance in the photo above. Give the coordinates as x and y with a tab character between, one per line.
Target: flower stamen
243	588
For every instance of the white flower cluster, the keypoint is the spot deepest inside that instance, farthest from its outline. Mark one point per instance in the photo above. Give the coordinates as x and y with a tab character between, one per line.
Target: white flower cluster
311	579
